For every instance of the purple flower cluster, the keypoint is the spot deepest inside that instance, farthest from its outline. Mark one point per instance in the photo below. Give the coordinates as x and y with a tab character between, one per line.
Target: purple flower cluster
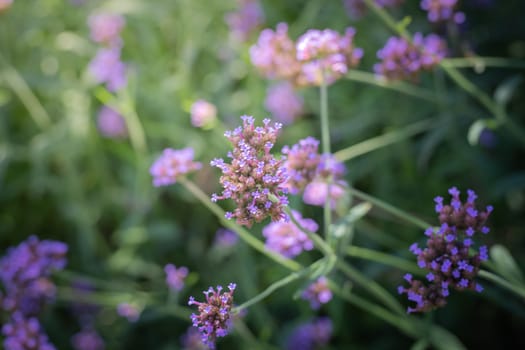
326	55
402	60
171	165
446	255
286	238
214	318
25	333
87	339
255	178
105	28
442	10
111	124
357	8
175	277
245	20
318	293
315	174
203	114
283	102
311	335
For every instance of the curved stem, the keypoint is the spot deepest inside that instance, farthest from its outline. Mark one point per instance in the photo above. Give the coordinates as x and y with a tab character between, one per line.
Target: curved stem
489	276
385	259
482	62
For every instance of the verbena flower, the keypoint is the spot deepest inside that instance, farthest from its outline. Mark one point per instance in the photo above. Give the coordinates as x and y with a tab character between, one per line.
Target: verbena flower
327	181
302	160
171	165
311	335
254	179
225	238
317	293
442	10
286	238
214	317
106	27
326	55
25	333
107	68
358	8
203	114
129	311
25	273
402	60
111	124
87	339
283	102
248	17
447	256
175	277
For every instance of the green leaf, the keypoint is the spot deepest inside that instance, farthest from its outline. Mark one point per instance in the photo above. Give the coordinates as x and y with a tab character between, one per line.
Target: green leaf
505	263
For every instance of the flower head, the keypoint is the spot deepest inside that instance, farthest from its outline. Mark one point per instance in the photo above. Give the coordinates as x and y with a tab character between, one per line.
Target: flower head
23	332
255	178
107	68
214	318
111	124
172	164
245	20
442	10
311	335
105	28
203	114
301	163
283	102
318	293
175	277
87	339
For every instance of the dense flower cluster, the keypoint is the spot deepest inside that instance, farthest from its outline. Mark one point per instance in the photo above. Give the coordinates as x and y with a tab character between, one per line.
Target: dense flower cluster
442	10
402	60
87	339
171	165
25	333
203	114
446	255
111	124
246	19
255	178
283	102
357	8
317	293
326	55
214	318
175	277
286	238
311	335
105	28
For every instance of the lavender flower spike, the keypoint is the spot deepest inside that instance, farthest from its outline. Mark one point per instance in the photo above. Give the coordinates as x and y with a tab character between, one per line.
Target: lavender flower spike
171	165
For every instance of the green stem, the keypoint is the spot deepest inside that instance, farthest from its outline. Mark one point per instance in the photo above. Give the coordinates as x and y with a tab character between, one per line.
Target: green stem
246	236
489	276
384	140
383	258
388	20
325	140
390	209
479	63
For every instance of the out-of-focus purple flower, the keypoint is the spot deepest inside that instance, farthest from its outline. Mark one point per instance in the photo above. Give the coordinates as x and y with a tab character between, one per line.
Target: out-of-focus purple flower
225	238
25	333
286	238
87	339
203	114
402	60
5	4
175	277
172	164
129	311
111	124
105	28
316	192
248	17
357	8
318	293
274	54
107	68
25	272
191	340
214	318
442	10
326	55
283	102
488	138
311	335
447	253
302	160
255	178
84	311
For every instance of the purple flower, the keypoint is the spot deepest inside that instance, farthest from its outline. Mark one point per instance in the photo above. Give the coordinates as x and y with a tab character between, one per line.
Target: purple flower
107	68
191	340
203	114
254	179
287	239
442	10
23	333
225	238
129	311
175	277
316	193
111	124
245	20
105	28
172	164
401	60
317	293
87	339
283	102
326	55
301	163
214	318
311	335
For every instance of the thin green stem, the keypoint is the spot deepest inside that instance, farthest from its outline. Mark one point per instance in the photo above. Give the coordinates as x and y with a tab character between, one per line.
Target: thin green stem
479	63
384	140
385	259
489	276
387	19
243	234
390	209
325	140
